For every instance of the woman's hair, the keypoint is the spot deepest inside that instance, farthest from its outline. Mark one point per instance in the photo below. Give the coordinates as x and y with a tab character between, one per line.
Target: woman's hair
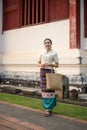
48	39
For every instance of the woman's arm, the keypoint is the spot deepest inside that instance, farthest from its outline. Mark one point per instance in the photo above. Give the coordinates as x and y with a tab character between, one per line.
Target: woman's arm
39	62
45	65
54	65
41	65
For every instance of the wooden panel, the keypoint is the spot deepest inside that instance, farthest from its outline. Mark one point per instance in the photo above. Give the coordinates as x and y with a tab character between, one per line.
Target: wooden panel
9	3
11	8
41	11
20	13
46	11
11	20
58	9
10	14
25	12
32	11
64	7
74	24
36	11
28	12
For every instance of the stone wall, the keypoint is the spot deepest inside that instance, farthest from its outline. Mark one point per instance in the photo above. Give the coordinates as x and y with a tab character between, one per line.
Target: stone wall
8	77
29	79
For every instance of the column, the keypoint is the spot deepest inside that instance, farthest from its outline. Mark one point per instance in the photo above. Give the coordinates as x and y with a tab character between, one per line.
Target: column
74	16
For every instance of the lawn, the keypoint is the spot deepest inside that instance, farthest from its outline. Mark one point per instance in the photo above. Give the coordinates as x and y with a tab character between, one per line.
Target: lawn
79	112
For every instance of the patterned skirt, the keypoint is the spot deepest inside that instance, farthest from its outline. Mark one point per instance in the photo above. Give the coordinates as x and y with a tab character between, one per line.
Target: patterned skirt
43	72
48	96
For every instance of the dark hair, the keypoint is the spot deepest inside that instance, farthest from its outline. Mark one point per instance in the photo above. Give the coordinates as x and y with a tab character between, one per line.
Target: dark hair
48	39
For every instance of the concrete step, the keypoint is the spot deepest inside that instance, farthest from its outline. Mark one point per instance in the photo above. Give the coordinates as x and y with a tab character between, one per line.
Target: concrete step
82	96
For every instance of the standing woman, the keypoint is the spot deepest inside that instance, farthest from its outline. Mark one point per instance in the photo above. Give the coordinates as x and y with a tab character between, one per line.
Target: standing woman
47	61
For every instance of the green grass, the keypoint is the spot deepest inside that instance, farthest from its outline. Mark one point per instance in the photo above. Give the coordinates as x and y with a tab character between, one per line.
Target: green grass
79	112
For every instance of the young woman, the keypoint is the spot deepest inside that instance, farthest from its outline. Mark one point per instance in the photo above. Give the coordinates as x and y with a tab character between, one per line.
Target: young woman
47	61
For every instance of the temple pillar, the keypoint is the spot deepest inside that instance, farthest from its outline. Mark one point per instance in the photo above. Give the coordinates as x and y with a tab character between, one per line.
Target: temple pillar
74	16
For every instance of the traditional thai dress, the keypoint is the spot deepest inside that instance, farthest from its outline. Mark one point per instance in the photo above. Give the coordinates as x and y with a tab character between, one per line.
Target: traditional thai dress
48	96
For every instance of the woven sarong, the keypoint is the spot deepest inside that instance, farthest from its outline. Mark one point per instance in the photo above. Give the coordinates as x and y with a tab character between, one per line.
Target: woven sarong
43	72
48	99
48	96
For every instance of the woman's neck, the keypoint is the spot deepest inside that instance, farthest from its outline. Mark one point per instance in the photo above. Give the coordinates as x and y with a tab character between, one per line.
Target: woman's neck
48	50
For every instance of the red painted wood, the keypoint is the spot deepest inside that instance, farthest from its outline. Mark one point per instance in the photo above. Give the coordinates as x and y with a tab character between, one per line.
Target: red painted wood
20	13
74	23
28	12
46	11
41	13
64	9
58	10
10	14
32	11
9	3
25	12
36	11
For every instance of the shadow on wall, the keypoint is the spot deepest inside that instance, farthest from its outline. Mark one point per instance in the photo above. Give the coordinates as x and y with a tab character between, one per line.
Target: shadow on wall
83	69
79	81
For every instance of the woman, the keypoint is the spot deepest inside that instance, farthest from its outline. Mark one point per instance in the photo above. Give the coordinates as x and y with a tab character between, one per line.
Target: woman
48	60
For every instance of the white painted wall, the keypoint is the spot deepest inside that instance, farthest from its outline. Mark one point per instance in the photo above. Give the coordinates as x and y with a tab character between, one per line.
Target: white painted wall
24	45
31	38
20	48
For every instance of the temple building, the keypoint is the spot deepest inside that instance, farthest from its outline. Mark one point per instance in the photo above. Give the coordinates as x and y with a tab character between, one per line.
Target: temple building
24	24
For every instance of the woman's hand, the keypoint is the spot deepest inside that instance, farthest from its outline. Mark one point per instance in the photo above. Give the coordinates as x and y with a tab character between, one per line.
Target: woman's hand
45	65
48	65
42	65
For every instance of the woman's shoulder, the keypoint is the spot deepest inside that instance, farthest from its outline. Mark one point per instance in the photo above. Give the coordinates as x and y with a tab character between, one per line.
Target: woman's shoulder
43	52
53	52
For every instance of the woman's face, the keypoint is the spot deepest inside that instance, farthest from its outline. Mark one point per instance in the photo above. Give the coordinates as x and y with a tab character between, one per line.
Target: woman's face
47	44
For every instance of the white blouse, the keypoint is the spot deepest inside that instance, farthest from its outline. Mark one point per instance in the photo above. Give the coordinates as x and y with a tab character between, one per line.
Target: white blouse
49	57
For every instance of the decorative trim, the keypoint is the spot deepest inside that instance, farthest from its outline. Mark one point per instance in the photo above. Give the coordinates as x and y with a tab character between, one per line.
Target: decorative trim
48	95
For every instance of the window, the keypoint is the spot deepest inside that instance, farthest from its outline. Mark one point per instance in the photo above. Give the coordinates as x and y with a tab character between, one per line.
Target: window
19	13
33	11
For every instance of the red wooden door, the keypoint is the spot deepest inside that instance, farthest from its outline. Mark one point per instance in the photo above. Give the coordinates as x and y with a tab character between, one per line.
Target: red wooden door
58	10
10	14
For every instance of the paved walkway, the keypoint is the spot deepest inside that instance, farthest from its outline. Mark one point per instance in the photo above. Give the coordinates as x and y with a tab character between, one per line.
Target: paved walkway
15	117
